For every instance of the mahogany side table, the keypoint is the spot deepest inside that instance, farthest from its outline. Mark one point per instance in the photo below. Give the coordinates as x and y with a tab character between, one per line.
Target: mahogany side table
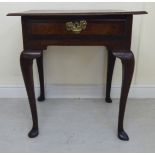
112	29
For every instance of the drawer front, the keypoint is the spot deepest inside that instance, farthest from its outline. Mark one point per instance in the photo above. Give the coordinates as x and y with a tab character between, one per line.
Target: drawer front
60	28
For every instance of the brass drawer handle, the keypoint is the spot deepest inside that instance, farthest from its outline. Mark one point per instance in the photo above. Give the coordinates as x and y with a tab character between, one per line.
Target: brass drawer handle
76	27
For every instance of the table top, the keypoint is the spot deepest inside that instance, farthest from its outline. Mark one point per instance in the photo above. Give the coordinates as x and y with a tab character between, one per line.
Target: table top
75	12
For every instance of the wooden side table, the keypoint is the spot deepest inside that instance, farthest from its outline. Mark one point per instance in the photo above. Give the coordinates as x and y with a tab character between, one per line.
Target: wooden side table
109	28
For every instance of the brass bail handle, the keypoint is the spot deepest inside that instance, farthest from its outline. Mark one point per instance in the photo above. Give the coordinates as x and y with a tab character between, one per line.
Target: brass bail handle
77	26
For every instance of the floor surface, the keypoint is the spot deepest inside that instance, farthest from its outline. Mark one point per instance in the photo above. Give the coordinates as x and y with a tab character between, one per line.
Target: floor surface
77	125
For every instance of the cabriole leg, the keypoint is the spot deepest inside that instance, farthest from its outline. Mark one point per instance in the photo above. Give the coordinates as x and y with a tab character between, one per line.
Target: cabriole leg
26	62
41	77
110	68
127	59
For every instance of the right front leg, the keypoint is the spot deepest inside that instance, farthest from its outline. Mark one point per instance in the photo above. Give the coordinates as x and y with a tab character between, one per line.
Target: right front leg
26	62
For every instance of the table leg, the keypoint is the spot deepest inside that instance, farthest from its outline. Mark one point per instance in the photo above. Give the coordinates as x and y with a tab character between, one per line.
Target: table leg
41	77
26	62
127	59
110	68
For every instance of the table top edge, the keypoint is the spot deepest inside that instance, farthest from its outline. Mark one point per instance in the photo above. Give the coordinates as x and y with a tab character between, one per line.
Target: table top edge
69	13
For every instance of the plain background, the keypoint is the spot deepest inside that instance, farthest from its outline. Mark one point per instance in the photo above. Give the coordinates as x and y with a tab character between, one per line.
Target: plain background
76	65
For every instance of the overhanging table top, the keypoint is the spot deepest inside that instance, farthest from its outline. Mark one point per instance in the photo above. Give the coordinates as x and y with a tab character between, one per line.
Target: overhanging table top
75	13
